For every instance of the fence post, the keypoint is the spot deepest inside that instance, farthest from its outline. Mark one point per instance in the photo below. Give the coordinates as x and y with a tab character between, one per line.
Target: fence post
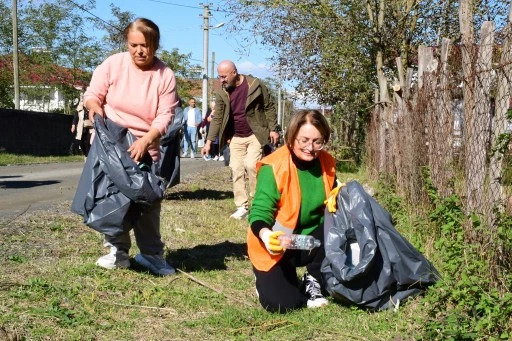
495	193
479	124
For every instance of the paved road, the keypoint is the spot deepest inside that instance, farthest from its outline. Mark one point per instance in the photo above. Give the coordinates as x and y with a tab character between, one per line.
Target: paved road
40	186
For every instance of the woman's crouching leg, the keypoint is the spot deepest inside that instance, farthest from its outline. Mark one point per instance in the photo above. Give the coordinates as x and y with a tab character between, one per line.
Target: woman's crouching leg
278	289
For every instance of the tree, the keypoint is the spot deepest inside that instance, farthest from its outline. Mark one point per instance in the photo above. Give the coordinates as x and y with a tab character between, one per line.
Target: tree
339	52
114	40
322	46
182	67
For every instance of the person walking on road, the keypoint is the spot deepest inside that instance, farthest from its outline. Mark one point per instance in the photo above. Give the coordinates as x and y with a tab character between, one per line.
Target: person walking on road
82	127
136	90
192	118
245	114
205	127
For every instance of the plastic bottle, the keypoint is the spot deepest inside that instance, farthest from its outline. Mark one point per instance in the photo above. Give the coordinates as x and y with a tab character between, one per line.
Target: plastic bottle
299	241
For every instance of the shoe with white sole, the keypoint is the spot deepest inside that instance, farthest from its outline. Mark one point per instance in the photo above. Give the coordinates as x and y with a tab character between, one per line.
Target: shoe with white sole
156	264
313	292
240	213
116	259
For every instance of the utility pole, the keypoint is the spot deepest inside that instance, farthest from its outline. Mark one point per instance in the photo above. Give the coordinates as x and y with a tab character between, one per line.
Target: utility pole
279	100
212	75
206	27
15	54
283	109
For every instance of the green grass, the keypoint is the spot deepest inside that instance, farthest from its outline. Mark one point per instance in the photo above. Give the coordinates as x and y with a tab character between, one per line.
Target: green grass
50	288
14	159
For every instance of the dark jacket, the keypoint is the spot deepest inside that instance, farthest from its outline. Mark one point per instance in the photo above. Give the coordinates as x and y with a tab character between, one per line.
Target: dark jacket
260	109
169	167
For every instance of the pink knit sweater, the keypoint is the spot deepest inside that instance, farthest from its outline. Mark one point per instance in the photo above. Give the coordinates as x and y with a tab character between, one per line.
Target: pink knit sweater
135	99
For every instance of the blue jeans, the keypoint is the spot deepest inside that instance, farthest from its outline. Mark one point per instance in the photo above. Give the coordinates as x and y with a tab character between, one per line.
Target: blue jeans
190	139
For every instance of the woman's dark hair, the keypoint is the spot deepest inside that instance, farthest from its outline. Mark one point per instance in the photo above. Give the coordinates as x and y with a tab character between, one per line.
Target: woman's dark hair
148	28
314	117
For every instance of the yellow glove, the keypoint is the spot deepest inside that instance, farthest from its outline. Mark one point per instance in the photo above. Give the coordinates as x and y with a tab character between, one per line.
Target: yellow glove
271	241
331	200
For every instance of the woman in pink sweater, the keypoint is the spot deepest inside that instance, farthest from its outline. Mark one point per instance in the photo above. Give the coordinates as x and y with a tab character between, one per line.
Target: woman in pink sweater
136	90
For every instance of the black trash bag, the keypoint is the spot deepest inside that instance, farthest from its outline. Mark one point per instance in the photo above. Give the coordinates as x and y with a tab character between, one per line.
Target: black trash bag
169	168
367	262
111	181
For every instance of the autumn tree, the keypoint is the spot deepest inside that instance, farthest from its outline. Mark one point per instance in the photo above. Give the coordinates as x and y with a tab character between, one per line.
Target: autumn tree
183	69
113	40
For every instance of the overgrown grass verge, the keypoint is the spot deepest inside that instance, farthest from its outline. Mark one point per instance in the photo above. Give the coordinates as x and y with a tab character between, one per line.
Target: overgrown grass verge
14	159
51	289
473	300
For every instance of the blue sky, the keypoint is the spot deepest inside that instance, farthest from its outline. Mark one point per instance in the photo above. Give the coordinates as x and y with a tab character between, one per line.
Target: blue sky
181	25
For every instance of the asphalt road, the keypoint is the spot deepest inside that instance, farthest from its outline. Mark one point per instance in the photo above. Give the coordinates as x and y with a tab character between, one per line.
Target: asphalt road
39	186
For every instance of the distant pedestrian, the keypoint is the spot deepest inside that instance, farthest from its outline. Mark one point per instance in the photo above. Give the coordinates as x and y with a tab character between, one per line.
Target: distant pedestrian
136	90
82	127
245	113
192	120
205	127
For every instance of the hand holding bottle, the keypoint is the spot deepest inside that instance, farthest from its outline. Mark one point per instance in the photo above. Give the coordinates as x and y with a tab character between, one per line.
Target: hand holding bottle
271	241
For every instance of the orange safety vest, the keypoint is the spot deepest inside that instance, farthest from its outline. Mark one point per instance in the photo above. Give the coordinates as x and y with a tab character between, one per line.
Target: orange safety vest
288	207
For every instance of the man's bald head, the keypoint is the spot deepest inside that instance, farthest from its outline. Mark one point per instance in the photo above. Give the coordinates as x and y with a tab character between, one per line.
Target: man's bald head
227	65
228	74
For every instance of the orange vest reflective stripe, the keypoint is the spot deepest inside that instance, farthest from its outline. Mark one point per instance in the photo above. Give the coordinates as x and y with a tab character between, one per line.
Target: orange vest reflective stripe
288	207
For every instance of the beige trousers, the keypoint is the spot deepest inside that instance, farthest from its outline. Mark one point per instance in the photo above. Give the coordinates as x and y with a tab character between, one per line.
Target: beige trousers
244	153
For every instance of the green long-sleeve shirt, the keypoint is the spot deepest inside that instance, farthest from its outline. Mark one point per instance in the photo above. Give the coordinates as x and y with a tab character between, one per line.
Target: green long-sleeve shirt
267	196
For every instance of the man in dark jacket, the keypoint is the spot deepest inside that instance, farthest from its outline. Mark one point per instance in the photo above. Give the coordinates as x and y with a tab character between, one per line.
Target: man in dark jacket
245	115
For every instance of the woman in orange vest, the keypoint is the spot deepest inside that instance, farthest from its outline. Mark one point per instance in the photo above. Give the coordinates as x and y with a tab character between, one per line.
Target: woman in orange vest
292	184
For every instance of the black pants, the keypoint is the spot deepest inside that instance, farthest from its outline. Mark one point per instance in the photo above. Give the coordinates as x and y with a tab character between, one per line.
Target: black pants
279	288
214	150
85	143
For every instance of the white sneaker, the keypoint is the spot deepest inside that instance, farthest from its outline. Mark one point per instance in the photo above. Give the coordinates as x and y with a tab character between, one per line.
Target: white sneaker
216	158
192	155
114	260
313	292
221	158
240	213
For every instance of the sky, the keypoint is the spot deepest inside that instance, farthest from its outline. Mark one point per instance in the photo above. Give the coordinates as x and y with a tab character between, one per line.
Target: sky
181	26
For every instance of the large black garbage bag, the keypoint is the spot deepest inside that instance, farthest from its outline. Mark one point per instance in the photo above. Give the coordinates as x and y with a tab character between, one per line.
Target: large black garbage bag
111	181
169	169
388	268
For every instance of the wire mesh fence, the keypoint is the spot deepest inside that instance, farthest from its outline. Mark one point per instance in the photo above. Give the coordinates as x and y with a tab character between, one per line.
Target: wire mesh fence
453	125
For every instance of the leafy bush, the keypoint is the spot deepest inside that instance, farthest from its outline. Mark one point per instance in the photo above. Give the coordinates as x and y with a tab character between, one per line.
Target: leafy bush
468	303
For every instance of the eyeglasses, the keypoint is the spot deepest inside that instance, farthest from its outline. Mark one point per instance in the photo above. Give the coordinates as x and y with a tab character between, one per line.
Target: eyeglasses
225	76
304	142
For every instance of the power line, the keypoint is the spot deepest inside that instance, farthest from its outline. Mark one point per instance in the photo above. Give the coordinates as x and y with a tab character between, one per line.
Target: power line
94	15
194	7
173	4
